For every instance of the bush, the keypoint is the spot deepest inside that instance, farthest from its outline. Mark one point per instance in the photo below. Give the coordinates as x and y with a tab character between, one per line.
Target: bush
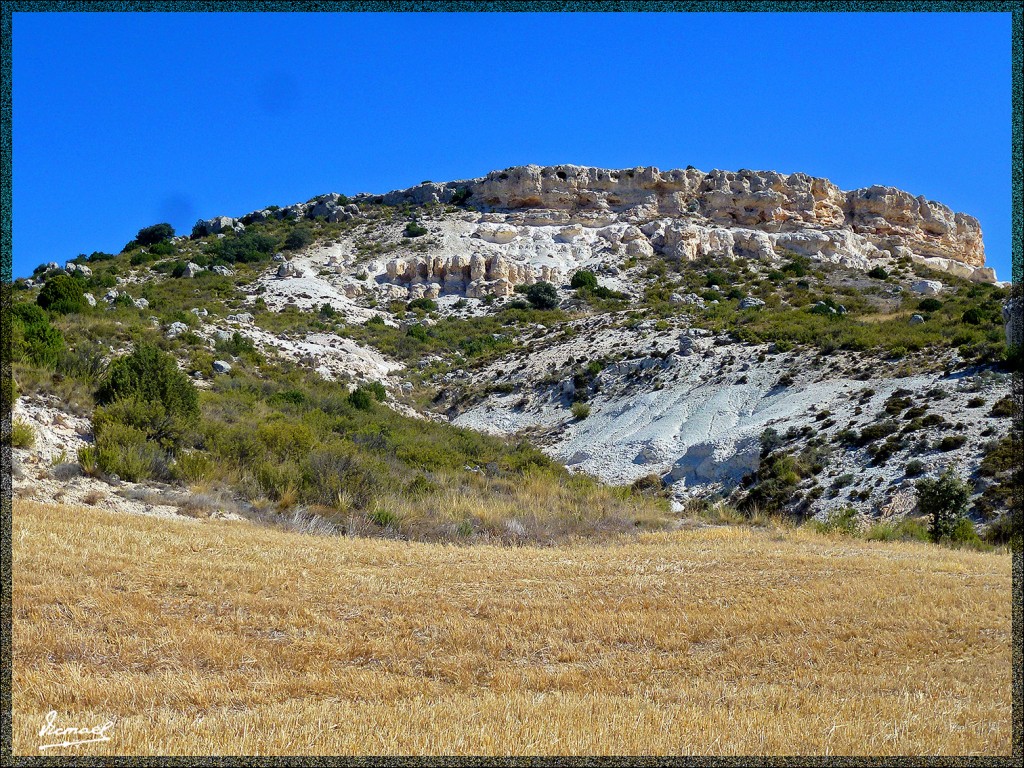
929	305
914	468
943	500
878	273
154	234
146	391
299	237
461	195
33	338
424	303
1002	408
62	294
244	248
415	229
542	295
584	278
123	450
580	410
972	316
951	442
363	396
22	434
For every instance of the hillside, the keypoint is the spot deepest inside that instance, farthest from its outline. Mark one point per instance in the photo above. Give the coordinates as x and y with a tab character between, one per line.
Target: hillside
228	638
534	355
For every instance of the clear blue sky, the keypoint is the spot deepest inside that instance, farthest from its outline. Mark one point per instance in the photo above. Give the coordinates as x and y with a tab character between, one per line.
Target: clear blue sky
125	120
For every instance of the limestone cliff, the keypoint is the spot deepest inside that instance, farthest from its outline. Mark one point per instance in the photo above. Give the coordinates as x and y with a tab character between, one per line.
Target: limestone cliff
804	213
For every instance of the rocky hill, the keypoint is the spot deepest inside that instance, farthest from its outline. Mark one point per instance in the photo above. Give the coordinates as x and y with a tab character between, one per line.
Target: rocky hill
766	341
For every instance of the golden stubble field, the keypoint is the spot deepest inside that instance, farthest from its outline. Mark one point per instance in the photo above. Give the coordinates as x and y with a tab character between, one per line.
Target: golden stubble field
200	637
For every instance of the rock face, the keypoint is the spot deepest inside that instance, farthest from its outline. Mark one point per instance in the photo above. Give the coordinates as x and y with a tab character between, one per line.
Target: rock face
756	200
216	226
688	214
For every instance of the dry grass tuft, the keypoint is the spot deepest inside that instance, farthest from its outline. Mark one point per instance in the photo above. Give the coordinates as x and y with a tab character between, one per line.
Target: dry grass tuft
219	638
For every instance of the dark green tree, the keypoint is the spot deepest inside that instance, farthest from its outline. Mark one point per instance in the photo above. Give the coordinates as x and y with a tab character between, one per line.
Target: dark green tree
542	295
944	500
154	234
146	390
62	294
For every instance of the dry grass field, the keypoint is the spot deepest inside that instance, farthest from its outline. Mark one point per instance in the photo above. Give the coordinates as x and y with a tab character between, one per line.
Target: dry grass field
201	637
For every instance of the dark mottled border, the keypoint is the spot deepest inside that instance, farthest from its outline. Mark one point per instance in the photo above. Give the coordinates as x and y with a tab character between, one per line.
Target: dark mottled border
902	6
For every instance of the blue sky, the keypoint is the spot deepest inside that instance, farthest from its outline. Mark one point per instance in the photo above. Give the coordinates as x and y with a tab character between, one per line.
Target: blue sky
125	120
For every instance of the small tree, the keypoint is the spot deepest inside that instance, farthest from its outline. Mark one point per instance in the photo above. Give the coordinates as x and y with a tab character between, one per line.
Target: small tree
154	234
542	295
944	500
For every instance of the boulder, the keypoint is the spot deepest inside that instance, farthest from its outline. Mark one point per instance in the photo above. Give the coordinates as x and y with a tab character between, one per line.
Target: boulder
243	318
751	302
927	287
90	300
287	269
71	268
216	226
916	319
199	311
221	366
141	303
220	269
191	270
176	329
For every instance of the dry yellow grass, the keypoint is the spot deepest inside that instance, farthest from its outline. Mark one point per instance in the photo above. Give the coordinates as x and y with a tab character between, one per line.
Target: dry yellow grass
219	638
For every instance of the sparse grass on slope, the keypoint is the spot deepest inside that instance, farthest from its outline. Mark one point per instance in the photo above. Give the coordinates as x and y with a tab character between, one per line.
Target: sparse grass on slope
207	638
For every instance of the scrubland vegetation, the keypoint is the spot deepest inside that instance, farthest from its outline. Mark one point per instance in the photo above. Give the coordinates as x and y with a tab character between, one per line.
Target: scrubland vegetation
268	433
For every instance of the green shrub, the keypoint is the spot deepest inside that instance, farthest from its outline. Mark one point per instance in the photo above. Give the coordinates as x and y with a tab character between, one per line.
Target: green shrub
878	273
123	450
33	338
62	294
423	303
461	195
914	468
415	229
88	459
797	266
877	431
154	234
583	278
362	398
943	500
542	295
929	304
245	247
146	390
1002	408
22	434
951	442
964	533
580	410
972	317
298	238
